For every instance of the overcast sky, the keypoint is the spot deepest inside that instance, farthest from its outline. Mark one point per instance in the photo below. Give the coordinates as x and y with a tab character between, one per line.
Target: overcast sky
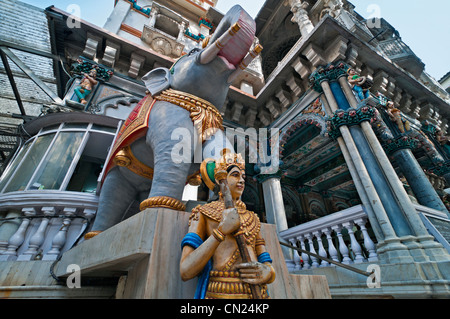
423	25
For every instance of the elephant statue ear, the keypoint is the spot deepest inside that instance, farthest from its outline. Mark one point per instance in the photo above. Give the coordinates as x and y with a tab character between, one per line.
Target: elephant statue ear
207	172
157	80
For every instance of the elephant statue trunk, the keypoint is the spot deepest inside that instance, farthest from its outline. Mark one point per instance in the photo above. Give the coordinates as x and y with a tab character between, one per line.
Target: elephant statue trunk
184	105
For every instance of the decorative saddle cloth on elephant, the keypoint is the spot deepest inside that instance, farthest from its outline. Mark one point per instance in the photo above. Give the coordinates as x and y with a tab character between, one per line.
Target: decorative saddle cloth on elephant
205	117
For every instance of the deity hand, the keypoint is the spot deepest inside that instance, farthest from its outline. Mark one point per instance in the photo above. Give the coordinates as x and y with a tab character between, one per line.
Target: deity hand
362	80
255	273
230	221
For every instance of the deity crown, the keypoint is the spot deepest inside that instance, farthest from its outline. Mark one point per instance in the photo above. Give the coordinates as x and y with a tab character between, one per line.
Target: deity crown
228	159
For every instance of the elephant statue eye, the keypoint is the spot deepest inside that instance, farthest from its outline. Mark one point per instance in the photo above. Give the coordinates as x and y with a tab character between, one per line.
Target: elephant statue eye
195	50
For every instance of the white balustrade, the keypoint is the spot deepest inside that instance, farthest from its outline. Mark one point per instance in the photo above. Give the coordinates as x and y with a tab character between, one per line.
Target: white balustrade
334	237
50	224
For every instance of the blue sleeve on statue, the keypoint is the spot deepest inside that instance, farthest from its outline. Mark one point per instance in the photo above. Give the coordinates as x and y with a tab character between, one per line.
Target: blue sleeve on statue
193	240
264	258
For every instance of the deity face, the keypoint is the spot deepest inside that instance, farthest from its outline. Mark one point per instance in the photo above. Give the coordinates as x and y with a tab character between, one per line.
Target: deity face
93	73
351	72
236	182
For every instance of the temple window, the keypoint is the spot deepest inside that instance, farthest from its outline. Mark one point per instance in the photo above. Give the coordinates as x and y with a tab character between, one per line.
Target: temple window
60	157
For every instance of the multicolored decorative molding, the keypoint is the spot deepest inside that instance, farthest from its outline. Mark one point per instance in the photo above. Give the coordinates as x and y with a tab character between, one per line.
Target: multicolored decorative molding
260	178
135	6
208	24
330	72
349	118
402	142
84	65
441	169
196	38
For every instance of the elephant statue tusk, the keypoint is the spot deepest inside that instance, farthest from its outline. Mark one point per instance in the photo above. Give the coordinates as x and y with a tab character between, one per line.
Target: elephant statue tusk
245	62
211	52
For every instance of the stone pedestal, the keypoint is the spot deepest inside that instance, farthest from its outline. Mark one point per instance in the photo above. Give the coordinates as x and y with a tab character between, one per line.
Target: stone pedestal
145	251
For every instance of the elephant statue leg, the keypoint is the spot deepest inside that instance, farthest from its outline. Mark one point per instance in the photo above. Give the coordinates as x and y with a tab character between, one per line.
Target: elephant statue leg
169	174
111	210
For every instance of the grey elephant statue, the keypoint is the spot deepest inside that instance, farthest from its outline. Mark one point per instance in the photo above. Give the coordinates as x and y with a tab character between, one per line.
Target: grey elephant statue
152	159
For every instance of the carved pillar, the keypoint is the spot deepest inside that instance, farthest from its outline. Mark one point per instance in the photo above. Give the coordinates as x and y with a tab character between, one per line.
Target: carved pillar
301	16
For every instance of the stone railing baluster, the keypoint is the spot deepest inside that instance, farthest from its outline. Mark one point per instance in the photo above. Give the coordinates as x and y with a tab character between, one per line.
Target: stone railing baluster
297	258
368	243
356	247
305	256
314	260
322	251
61	236
18	238
342	246
38	238
331	248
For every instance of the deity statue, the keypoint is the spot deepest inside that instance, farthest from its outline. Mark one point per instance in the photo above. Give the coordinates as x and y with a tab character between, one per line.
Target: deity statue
85	88
211	249
396	116
444	141
359	84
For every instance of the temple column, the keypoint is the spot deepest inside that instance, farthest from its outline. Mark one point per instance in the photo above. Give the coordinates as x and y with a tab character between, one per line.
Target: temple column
420	185
273	201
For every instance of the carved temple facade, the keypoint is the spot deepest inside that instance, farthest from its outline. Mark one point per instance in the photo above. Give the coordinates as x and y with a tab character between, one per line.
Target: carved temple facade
353	183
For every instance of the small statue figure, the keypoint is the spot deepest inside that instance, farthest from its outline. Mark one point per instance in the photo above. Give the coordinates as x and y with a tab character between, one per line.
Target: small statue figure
396	116
211	250
86	85
359	84
444	141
